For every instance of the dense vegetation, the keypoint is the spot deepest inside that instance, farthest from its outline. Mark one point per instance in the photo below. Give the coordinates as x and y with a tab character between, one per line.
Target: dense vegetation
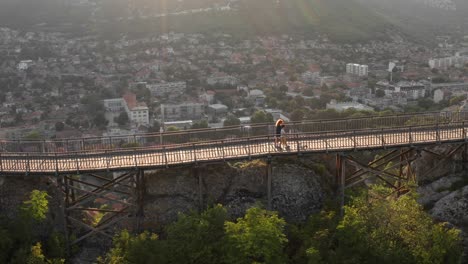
376	228
21	240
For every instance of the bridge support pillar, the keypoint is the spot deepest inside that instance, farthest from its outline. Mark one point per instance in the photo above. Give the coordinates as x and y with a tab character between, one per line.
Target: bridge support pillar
199	177
465	157
268	173
340	180
140	190
64	202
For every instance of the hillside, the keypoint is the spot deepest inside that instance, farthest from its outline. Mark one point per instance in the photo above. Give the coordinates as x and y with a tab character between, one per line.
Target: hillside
341	20
423	13
26	13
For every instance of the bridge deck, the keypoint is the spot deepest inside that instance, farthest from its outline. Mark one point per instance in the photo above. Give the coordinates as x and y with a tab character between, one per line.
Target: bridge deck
219	150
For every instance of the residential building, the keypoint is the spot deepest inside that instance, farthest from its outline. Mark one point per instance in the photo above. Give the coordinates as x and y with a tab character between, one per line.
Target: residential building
217	110
165	89
257	96
342	106
207	97
310	77
184	124
24	65
357	69
115	105
222	79
182	111
413	90
137	112
447	62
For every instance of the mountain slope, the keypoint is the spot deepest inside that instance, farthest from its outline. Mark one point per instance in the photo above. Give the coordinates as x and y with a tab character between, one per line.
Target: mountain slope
341	20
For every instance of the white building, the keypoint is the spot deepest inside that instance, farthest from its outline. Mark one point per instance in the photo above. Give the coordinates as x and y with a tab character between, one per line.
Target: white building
310	77
445	63
24	65
182	111
342	106
217	110
140	115
357	69
413	90
163	89
115	105
223	80
137	112
439	95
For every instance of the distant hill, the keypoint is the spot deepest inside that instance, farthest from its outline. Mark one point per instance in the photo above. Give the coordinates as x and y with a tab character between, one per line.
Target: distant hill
341	20
26	13
424	12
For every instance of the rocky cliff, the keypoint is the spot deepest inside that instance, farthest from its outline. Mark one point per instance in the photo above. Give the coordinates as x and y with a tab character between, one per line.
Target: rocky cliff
443	188
299	189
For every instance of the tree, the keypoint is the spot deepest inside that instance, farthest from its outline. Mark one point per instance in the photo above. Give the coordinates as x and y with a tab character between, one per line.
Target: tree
122	119
59	126
297	115
260	117
193	238
34	135
309	91
200	124
142	248
456	100
380	93
198	238
258	237
231	120
393	230
425	103
172	129
100	120
37	206
283	89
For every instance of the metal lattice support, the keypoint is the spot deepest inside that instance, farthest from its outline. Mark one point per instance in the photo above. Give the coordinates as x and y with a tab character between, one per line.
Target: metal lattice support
443	157
393	169
94	204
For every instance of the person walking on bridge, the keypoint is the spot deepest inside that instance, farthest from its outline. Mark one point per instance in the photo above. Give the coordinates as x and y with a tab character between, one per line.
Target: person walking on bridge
278	127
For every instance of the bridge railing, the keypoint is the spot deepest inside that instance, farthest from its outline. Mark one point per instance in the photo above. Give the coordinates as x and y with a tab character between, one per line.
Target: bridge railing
212	150
228	133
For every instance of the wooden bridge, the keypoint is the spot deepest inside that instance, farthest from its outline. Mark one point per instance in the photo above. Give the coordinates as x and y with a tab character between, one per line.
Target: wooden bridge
81	167
151	151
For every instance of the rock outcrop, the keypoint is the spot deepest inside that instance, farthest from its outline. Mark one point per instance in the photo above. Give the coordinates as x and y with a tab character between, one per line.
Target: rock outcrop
297	190
443	188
